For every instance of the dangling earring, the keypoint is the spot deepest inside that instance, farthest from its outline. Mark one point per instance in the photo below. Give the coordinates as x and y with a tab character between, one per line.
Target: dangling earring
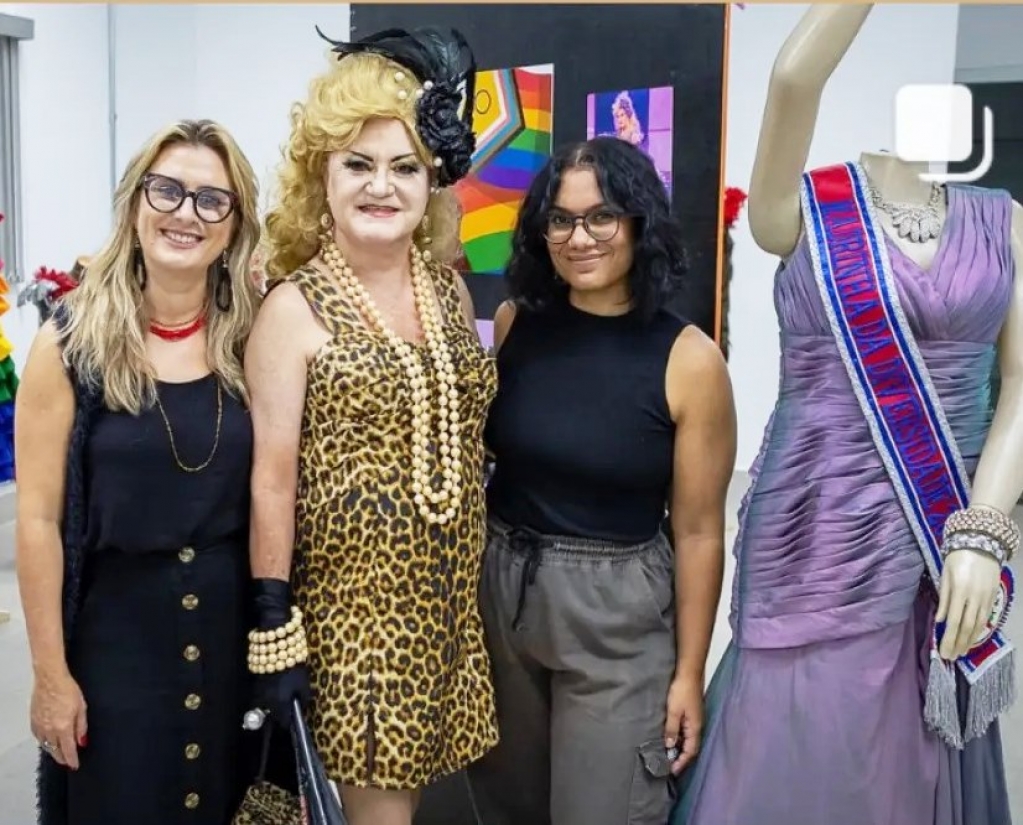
326	221
425	240
222	291
140	266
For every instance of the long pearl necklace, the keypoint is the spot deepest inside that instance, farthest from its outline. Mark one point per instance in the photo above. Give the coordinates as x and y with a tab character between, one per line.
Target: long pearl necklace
436	502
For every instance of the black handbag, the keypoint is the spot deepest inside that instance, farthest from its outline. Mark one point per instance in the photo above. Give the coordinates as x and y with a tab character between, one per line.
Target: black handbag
319	802
268	804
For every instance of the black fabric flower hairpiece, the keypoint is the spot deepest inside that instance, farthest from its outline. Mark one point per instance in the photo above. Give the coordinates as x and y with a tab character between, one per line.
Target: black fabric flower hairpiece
441	60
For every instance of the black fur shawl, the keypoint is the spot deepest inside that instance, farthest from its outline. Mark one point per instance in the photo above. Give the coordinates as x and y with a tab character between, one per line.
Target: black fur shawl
51	778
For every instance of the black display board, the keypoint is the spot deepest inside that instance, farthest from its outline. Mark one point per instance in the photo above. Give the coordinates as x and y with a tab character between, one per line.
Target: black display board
600	48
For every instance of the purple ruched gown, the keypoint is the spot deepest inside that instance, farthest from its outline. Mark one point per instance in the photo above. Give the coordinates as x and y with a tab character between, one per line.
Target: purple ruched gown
815	715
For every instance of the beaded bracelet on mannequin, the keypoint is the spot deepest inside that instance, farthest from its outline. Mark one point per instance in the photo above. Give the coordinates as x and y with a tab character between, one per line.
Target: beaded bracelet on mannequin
271	651
983	529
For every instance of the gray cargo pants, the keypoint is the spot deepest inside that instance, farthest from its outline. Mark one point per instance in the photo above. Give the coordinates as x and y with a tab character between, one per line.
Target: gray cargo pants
581	635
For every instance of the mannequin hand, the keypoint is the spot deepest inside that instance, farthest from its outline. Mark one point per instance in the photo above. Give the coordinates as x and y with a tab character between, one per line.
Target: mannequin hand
969	586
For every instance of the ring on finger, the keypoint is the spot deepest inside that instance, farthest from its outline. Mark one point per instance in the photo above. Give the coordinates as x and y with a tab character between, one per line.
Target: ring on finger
48	746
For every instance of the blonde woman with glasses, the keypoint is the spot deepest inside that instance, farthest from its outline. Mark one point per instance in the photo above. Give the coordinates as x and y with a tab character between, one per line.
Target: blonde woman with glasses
133	444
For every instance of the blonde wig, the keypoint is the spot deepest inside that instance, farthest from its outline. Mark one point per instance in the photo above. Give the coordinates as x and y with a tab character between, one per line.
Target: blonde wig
105	338
340	102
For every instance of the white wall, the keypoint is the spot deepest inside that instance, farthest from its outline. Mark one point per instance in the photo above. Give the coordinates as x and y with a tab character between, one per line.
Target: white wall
898	44
154	63
242	65
987	47
65	144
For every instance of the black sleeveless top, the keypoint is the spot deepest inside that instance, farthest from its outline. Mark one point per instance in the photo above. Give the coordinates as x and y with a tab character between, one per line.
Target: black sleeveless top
139	499
580	428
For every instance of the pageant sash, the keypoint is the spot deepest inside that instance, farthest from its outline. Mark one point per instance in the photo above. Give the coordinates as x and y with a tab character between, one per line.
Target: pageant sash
907	424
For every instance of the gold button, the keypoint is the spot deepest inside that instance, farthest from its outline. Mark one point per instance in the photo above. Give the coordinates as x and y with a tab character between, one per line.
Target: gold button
191	653
190	602
192	701
187	554
192	800
192	751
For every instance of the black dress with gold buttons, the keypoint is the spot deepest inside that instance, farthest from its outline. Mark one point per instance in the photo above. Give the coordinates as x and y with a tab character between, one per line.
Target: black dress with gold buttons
158	647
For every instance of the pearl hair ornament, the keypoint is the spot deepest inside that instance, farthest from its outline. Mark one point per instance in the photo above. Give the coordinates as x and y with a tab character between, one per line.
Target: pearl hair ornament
399	77
433	72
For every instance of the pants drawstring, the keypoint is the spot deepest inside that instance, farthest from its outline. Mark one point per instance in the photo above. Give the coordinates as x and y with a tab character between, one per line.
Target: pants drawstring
530	543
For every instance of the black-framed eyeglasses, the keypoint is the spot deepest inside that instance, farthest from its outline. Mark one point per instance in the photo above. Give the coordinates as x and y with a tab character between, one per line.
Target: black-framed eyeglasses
212	204
601	224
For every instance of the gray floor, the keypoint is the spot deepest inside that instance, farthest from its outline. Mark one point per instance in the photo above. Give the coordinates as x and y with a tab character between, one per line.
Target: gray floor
445	804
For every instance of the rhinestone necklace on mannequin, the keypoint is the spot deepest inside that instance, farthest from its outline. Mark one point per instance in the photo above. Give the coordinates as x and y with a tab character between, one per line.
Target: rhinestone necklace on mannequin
444	497
915	222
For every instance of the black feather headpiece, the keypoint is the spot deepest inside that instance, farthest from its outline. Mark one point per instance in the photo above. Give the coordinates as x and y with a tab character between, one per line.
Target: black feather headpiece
442	62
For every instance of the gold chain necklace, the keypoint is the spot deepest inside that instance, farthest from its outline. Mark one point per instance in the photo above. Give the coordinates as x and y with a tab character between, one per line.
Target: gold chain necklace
445	493
216	438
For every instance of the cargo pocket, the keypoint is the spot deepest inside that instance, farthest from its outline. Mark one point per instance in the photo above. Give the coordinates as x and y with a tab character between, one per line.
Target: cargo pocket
653	786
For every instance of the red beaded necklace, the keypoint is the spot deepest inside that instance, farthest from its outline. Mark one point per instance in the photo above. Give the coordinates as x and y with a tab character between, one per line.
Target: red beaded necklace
180	332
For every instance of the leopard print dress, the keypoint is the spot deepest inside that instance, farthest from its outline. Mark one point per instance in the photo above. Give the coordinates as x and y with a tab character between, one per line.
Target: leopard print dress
402	691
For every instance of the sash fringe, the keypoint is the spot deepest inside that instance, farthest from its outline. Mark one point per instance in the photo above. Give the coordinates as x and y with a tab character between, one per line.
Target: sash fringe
986	700
941	711
991	696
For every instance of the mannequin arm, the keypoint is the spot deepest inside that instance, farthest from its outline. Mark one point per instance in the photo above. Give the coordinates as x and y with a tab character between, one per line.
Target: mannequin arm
999	478
803	66
970	580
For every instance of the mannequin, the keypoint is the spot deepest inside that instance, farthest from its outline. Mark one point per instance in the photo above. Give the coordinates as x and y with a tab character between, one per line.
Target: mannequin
849	673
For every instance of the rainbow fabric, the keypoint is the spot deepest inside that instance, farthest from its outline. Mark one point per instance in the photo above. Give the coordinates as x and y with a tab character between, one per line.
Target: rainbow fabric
514	109
8	389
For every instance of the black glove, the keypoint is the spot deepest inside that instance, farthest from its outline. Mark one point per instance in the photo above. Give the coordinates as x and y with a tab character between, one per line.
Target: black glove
275	692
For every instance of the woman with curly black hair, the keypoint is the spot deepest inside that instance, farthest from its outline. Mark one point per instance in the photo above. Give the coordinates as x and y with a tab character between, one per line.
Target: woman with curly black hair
611	411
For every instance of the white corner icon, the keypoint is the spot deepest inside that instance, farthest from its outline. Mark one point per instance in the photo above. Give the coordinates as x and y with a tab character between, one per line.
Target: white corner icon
934	124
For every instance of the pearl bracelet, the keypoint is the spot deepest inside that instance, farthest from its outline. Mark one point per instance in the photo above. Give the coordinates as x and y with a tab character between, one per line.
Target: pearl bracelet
271	651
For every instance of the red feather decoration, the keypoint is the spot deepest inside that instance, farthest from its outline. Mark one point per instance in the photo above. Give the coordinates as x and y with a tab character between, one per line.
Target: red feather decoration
734	199
62	282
